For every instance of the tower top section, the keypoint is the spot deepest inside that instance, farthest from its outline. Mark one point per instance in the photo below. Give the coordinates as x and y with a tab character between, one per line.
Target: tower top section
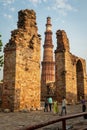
26	19
62	41
48	25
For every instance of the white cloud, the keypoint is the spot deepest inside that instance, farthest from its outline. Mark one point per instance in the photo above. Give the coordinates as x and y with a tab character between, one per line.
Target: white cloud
37	1
44	0
6	2
63	6
8	16
64	13
12	9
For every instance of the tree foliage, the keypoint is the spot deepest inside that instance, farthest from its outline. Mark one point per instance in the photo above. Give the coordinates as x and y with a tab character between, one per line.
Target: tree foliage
1	56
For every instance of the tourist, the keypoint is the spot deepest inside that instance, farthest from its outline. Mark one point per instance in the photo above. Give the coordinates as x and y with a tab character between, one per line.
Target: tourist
55	107
83	104
46	105
50	102
63	109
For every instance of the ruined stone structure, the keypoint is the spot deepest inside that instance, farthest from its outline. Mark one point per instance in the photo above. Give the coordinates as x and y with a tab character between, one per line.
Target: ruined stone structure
70	71
22	86
21	81
48	73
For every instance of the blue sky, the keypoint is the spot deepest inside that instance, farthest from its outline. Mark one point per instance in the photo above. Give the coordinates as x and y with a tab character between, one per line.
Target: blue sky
68	15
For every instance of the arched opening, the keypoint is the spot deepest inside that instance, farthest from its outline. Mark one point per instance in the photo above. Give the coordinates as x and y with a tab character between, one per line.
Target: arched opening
80	81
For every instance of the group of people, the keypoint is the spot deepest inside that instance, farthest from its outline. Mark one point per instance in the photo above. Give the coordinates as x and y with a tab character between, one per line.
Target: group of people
49	103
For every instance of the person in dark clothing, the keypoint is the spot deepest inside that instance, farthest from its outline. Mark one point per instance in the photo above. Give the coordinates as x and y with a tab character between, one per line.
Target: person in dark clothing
83	102
46	105
83	105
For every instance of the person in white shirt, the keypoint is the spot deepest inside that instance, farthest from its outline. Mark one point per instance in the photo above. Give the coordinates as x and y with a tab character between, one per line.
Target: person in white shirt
63	106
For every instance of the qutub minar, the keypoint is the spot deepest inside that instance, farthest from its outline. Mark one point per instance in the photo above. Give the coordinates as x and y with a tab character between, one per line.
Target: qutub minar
23	87
48	64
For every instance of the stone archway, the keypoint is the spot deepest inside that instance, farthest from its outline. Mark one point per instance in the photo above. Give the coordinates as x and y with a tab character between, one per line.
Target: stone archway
80	81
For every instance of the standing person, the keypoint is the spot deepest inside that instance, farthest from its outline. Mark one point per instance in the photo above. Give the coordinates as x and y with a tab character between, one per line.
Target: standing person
55	107
63	106
46	105
83	104
50	101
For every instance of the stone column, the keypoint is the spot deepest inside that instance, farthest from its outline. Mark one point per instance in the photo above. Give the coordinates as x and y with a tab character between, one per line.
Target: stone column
21	89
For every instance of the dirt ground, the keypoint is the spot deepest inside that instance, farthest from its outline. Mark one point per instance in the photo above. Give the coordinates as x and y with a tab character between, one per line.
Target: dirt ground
17	120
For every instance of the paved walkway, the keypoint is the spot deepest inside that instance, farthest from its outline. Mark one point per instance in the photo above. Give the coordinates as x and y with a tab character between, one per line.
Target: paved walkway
17	120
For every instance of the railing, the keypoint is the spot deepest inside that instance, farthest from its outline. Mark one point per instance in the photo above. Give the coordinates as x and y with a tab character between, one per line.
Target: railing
60	119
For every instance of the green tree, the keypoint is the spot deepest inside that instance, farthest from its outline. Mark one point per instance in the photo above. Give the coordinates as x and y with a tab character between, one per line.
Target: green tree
1	56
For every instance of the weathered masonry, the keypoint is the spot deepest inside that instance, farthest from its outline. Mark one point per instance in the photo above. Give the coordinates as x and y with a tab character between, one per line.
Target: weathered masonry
21	85
69	77
70	71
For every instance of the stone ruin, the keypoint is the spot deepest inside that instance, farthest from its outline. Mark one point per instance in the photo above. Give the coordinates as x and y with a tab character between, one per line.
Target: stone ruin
21	75
70	71
21	80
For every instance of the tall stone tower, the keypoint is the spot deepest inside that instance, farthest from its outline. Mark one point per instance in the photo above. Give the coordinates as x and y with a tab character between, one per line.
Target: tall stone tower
21	88
48	73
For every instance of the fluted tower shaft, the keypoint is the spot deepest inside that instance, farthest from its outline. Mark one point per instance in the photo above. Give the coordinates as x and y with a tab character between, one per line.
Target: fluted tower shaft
48	73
